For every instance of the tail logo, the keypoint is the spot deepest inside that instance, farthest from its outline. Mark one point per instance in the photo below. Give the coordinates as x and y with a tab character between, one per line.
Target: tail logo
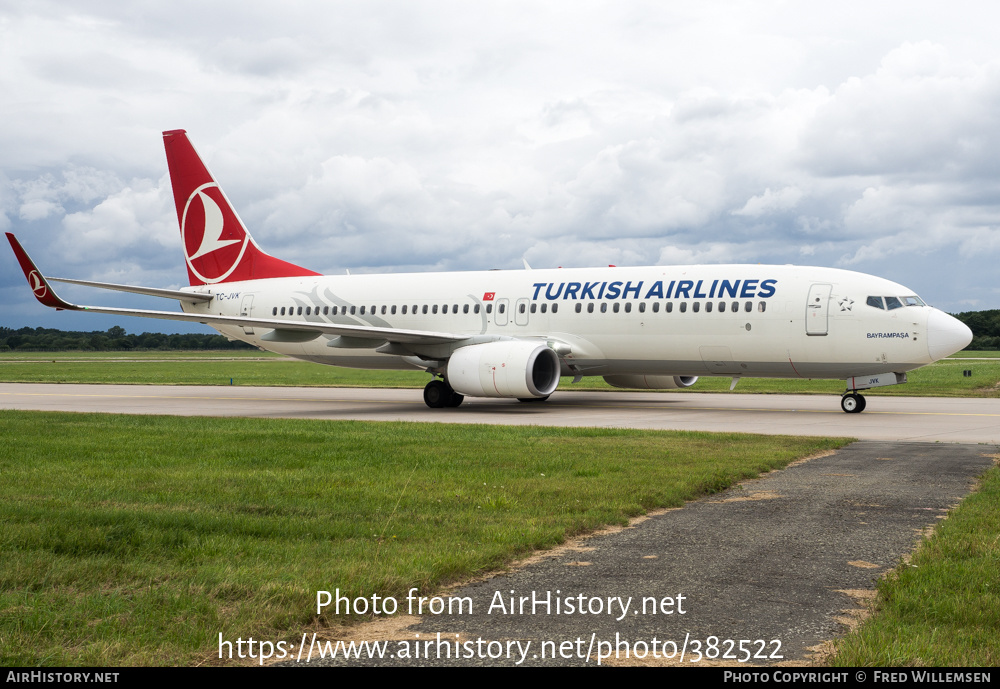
37	284
214	239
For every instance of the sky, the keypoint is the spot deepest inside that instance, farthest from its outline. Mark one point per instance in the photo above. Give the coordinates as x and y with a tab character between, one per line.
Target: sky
400	136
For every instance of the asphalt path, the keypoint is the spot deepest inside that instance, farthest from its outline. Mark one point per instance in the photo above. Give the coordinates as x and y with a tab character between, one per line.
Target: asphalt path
926	419
782	564
772	570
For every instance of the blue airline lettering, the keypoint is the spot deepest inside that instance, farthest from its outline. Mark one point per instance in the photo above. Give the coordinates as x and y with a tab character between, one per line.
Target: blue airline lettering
630	288
656	290
685	289
729	288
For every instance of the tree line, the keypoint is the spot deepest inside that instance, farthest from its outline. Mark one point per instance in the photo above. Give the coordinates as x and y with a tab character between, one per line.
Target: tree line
51	340
985	327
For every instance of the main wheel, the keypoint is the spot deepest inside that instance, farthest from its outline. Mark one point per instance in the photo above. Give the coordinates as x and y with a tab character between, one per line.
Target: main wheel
437	394
455	399
852	403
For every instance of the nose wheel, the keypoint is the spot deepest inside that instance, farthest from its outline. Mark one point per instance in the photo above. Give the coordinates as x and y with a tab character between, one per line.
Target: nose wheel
852	403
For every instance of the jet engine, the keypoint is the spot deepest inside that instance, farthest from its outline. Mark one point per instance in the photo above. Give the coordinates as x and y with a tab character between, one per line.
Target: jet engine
651	382
508	368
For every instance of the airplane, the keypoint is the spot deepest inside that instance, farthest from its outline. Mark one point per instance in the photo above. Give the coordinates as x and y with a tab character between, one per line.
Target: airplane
513	333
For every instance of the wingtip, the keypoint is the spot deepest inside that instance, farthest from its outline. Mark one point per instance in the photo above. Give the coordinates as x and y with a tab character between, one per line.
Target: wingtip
36	281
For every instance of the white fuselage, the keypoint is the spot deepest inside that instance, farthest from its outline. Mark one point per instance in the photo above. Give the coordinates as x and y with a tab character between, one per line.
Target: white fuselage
722	320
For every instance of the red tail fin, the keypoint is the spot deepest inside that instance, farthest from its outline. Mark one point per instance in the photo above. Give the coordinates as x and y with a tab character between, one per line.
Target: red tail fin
217	246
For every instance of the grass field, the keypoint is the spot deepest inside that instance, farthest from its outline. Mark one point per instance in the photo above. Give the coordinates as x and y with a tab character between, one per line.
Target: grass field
942	607
942	379
137	540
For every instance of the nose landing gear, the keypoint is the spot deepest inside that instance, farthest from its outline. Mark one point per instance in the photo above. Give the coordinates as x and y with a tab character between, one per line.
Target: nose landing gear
852	403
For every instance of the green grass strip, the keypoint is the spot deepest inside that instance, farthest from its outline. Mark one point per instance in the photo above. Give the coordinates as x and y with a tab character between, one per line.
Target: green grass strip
942	379
942	608
133	540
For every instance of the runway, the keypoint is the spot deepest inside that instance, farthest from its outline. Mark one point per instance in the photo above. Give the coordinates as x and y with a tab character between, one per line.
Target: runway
910	419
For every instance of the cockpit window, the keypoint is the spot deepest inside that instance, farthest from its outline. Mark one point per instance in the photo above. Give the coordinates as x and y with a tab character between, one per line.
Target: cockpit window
913	300
893	303
876	302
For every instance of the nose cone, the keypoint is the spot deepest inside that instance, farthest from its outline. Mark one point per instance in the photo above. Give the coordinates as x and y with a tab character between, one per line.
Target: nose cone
945	335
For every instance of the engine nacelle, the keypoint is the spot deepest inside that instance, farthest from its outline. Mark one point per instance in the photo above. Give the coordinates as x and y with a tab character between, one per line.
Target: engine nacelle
508	368
651	382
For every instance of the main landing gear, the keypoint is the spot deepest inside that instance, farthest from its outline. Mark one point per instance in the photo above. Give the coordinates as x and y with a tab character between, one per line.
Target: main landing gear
852	403
438	394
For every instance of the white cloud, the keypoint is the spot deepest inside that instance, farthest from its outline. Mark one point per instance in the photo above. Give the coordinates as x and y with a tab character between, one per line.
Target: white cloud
388	136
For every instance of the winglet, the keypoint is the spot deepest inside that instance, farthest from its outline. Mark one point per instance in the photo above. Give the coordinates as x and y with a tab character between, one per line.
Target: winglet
36	281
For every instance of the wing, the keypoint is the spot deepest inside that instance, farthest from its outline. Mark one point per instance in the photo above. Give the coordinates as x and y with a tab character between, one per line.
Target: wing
43	291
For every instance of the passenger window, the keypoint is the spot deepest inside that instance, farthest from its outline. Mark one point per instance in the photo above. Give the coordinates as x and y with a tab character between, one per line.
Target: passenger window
326	310
489	308
353	310
604	307
670	307
590	307
696	306
748	307
534	307
444	309
684	306
616	306
334	310
282	310
893	303
393	310
502	308
736	307
708	307
434	309
628	307
465	308
545	308
876	302
383	309
403	309
762	306
362	310
642	307
521	308
656	307
274	311
475	309
555	307
300	310
424	310
579	307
